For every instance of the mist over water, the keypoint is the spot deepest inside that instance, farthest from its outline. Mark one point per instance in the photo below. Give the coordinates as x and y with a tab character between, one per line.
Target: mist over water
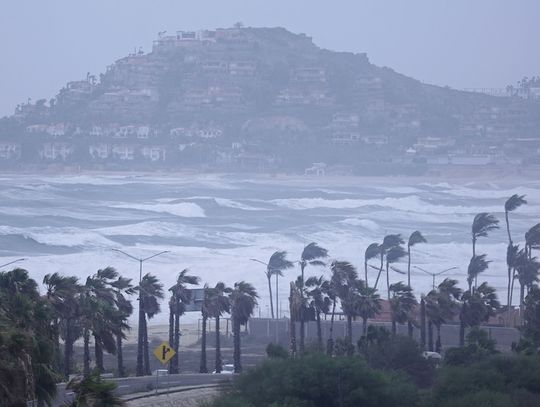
213	225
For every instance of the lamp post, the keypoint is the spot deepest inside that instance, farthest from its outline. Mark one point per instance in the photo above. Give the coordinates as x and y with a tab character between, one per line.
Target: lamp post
11	262
435	274
141	310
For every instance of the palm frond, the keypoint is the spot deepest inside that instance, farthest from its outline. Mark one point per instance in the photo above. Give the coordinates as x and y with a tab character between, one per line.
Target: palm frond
483	223
514	202
373	250
313	251
415	238
390	241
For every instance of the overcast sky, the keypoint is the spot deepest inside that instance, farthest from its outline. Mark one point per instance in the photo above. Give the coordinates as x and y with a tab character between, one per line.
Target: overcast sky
459	43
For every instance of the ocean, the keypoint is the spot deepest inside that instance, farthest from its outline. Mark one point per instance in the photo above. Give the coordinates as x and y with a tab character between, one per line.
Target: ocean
214	224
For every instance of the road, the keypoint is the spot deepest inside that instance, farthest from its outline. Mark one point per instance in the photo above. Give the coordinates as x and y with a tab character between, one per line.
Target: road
131	385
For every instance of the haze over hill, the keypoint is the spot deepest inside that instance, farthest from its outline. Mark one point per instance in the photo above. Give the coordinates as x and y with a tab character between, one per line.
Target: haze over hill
265	99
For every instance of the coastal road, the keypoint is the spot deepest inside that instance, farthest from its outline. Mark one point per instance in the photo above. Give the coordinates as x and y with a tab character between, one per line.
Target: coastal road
130	385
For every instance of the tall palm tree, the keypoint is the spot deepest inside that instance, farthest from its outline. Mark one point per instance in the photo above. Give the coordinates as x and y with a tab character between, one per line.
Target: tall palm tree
511	204
62	297
477	265
151	292
295	306
311	254
181	295
477	307
206	312
277	263
415	238
345	279
122	288
319	300
482	224
389	241
368	305
243	301
393	255
372	251
220	304
402	304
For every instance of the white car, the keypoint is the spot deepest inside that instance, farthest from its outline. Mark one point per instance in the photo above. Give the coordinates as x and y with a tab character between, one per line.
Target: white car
226	369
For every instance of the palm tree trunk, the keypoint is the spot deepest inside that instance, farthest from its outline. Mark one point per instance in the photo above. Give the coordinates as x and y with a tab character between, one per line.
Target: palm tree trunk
365	272
140	337
292	329
438	344
512	288
508	296
270	291
521	301
175	364
218	346
57	353
203	368
349	328
387	281
423	324
364	326
508	227
410	329
98	350
430	336
145	346
319	332
120	356
474	254
86	352
237	347
302	331
171	334
330	345
394	328
68	349
380	270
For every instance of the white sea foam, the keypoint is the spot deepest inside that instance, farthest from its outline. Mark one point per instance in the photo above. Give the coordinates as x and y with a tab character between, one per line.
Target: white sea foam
229	203
364	223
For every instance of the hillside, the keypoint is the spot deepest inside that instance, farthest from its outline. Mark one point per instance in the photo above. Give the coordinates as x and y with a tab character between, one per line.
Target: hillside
264	99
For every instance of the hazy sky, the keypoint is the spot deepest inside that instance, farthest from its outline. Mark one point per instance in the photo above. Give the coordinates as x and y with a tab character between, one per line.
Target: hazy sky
460	43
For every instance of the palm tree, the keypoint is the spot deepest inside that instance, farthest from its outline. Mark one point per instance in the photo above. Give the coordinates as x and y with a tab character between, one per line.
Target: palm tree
311	254
402	304
277	263
295	306
511	204
482	224
181	295
62	297
206	312
122	288
372	251
477	265
368	305
220	304
527	269
347	285
150	291
415	238
441	307
477	307
319	301
392	255
532	239
389	241
243	300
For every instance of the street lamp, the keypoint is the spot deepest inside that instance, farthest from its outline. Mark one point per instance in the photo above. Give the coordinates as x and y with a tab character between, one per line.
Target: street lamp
435	274
11	262
141	311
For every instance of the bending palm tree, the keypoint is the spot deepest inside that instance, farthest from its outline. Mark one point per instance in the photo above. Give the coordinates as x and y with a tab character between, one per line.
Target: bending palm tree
389	241
345	279
206	312
122	288
511	204
311	254
476	308
151	291
482	224
394	254
243	300
441	307
415	238
277	263
220	304
368	305
320	302
372	251
181	295
477	265
402	304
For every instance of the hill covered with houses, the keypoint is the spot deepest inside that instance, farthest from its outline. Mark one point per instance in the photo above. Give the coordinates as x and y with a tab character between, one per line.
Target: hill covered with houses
267	100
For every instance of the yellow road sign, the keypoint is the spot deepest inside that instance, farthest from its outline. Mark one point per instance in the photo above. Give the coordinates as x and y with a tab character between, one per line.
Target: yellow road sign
164	352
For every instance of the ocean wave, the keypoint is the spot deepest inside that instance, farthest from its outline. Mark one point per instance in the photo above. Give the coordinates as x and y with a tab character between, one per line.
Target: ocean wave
182	209
364	223
64	237
229	203
408	203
